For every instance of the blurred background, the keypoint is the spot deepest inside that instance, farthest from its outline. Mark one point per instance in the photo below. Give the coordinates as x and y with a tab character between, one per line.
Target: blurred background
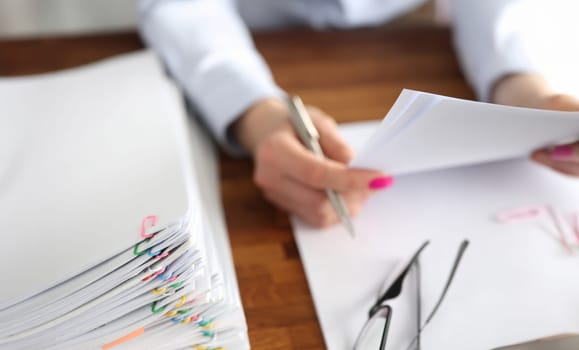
34	18
37	18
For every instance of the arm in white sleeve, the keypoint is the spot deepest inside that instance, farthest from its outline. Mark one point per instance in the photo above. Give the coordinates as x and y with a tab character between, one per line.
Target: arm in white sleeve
490	37
209	52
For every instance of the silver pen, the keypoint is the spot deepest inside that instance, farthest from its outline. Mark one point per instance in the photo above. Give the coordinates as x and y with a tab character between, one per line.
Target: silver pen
307	132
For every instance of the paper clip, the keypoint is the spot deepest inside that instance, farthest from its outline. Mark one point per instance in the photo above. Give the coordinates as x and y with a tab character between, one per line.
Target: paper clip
209	334
522	213
136	248
208	327
181	302
193	318
153	220
169	292
175	312
561	225
156	311
158	291
182	312
154	274
176	285
576	225
560	229
171	313
177	319
157	254
172	278
166	276
205	323
190	318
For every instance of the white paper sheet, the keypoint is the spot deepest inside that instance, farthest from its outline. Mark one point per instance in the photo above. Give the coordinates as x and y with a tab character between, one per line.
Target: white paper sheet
426	132
516	282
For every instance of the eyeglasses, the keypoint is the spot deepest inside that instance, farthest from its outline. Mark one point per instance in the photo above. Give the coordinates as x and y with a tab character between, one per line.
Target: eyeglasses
374	334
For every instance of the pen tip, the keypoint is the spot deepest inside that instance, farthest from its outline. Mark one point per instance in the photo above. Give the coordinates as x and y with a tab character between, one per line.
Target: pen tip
350	228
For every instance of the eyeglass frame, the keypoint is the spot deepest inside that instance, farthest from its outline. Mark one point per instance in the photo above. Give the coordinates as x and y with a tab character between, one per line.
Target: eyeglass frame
393	291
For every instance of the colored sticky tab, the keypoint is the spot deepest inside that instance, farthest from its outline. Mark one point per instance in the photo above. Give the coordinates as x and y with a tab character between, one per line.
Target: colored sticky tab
126	338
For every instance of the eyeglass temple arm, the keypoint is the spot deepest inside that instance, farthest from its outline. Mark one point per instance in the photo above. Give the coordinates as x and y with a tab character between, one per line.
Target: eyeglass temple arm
394	290
457	260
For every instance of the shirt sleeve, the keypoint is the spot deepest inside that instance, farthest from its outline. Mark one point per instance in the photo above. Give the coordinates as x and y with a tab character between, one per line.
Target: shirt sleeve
209	52
491	38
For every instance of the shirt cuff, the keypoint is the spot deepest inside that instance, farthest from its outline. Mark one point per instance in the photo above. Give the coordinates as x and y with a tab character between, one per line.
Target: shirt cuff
497	65
228	89
492	40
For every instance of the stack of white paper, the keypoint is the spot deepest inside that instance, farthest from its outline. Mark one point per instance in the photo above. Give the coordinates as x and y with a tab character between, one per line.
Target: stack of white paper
106	241
516	281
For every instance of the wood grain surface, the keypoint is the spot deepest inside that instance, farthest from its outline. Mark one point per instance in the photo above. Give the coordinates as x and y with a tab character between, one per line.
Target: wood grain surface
352	75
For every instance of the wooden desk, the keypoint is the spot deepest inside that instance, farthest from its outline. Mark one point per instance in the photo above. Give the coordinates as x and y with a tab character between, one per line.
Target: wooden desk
353	75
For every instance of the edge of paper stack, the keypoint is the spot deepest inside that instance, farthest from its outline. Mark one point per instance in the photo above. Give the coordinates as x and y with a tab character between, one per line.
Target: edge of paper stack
166	279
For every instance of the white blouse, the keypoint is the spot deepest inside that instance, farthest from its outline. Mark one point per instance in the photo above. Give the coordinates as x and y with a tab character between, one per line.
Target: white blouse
207	47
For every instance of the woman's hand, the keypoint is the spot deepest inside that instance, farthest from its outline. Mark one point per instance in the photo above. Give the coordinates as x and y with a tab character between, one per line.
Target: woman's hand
565	158
291	176
531	90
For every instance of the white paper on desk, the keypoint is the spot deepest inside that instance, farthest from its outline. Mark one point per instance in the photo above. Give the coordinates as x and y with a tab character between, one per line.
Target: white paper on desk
427	132
516	282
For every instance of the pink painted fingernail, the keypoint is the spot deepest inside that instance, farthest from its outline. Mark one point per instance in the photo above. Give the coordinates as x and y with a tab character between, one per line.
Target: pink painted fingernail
562	152
381	183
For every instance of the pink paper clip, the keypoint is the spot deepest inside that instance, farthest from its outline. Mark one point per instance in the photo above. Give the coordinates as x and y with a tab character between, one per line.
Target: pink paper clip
576	226
153	222
518	214
560	228
174	278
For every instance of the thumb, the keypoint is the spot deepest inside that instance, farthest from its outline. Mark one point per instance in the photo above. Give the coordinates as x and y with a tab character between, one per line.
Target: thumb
562	102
